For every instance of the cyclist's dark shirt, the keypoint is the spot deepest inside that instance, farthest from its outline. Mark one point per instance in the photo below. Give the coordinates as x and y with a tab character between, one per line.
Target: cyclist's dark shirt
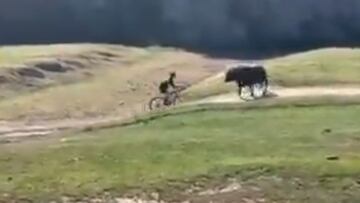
164	86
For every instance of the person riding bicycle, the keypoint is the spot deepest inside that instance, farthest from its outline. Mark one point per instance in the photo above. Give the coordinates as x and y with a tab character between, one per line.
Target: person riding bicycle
166	87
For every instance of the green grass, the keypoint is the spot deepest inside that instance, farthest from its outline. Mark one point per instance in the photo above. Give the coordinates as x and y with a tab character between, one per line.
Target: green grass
323	67
291	140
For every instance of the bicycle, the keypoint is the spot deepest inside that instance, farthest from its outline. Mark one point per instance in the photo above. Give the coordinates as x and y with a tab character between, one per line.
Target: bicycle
161	102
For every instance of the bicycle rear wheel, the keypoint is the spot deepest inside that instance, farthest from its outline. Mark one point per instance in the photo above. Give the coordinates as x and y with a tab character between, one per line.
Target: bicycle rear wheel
156	103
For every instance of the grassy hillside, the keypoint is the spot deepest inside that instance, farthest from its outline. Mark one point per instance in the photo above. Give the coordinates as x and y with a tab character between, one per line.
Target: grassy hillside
86	80
319	67
26	69
309	148
281	151
89	79
332	66
17	55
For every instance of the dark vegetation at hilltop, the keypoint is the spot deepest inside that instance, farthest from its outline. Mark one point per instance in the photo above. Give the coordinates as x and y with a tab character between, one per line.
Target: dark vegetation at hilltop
256	26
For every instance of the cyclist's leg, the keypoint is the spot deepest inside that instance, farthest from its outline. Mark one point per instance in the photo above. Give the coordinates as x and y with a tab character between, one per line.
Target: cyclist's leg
166	98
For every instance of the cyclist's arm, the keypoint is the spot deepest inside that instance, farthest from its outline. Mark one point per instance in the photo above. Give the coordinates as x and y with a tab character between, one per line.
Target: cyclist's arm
172	84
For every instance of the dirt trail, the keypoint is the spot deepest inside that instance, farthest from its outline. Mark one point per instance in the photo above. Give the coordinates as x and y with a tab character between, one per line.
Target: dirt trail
14	131
286	93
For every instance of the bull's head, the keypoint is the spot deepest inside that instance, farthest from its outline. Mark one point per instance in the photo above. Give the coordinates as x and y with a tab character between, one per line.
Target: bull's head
230	75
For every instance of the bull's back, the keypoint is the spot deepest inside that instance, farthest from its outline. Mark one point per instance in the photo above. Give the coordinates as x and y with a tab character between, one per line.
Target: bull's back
247	75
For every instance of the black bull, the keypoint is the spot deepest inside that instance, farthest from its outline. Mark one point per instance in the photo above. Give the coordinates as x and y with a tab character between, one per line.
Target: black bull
247	76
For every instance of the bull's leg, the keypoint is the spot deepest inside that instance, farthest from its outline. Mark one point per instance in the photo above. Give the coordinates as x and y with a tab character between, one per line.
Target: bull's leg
252	89
266	83
239	87
240	90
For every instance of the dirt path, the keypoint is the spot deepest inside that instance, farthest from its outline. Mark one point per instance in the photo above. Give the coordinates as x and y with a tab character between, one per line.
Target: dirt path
288	92
15	131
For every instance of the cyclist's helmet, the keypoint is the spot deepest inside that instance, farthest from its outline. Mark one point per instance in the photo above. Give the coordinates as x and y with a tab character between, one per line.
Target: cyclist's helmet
173	74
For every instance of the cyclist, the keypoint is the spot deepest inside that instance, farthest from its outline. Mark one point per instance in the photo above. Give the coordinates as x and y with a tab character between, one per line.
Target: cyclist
167	86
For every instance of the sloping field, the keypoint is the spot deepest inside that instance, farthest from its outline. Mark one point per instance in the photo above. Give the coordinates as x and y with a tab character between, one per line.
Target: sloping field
25	69
318	67
301	147
88	80
97	84
311	153
323	67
